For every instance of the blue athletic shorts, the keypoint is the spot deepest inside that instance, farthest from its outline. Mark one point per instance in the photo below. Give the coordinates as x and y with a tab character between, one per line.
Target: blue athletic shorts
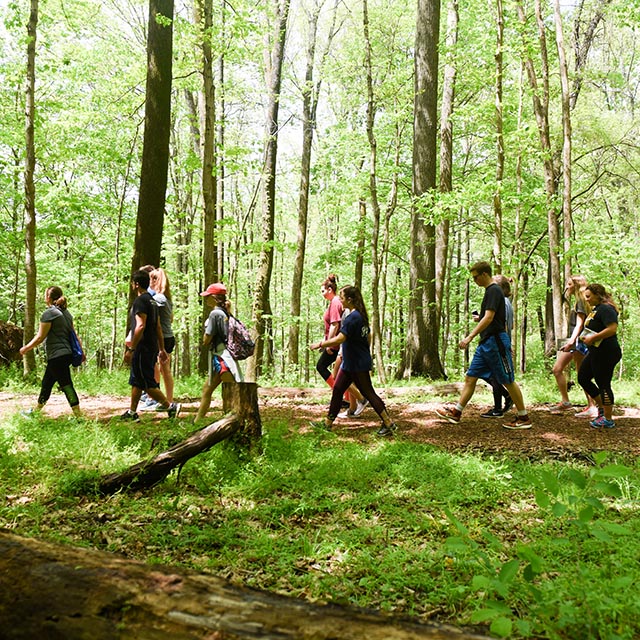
488	362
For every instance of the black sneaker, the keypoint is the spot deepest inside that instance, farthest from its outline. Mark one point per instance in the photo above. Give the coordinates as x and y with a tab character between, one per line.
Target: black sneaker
508	403
174	409
132	416
384	431
492	413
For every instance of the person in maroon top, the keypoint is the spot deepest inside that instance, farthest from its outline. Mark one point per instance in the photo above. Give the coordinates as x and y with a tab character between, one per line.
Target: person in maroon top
332	318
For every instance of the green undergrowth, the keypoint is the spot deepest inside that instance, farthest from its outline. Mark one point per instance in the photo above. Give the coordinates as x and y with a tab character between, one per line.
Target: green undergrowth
515	548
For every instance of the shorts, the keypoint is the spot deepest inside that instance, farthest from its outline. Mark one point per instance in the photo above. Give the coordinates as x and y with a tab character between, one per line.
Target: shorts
582	348
169	344
489	361
143	369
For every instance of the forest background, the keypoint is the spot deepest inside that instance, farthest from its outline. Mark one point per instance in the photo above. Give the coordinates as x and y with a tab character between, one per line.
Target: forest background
537	151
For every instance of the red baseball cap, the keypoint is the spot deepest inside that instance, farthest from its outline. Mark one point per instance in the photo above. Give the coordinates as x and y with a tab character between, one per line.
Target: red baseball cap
215	289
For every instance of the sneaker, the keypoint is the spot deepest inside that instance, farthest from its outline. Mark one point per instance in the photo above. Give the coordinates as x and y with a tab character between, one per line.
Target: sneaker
360	407
589	412
132	416
491	413
386	431
150	406
601	421
347	414
561	407
519	422
450	414
508	403
174	409
320	425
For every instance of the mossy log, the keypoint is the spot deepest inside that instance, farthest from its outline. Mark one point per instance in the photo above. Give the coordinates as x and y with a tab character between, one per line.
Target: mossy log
241	399
56	591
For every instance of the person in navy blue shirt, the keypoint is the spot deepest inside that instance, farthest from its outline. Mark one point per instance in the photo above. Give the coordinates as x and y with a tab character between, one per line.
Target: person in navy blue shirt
354	336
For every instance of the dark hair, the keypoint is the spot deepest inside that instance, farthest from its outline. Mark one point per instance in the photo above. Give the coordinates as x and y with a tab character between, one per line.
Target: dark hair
331	282
55	295
602	293
504	283
354	296
148	268
481	267
141	278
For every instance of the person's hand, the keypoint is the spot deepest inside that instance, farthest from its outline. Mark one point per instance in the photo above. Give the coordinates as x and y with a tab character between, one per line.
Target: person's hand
23	350
567	347
127	356
315	346
163	356
464	343
589	339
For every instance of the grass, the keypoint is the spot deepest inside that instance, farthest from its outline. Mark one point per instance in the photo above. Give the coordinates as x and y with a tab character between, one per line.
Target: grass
518	549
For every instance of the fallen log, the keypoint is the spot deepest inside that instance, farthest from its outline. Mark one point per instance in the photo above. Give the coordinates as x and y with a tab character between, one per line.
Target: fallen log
55	591
241	398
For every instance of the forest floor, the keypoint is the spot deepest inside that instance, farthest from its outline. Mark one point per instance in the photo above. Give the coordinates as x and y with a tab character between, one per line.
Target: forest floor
552	436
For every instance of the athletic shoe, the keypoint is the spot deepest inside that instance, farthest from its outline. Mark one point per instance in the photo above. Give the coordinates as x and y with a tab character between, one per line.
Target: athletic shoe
491	413
174	409
151	406
386	431
508	403
589	412
451	414
360	407
321	425
519	422
132	416
561	407
347	414
601	421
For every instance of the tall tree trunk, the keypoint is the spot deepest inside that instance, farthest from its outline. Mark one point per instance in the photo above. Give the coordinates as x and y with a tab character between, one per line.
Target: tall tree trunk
421	356
446	152
30	189
375	203
360	244
497	195
261	300
157	126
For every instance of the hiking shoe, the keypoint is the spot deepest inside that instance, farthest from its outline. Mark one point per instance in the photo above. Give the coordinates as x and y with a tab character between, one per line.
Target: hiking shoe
589	412
132	416
491	413
360	407
320	424
519	422
508	403
386	431
451	414
174	409
561	407
601	421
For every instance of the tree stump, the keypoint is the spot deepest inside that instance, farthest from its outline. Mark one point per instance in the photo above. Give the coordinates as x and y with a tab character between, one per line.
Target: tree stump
56	591
241	400
11	337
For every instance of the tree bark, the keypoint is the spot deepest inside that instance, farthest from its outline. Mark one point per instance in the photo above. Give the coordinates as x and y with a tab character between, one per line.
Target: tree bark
497	194
30	189
56	591
157	126
421	355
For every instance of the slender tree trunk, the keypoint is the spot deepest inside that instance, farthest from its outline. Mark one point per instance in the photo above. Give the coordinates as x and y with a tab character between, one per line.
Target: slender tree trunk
360	246
261	300
30	189
497	197
157	126
446	152
421	356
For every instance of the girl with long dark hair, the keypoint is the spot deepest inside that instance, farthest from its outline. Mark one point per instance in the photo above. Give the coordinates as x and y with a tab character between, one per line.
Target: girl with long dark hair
55	325
356	361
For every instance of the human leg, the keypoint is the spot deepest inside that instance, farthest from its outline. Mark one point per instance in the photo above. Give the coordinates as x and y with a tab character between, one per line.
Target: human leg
563	359
325	364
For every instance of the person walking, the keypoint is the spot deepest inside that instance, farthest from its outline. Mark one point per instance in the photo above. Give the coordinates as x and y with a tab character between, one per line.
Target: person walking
498	390
56	324
356	362
600	336
222	367
332	318
492	358
143	346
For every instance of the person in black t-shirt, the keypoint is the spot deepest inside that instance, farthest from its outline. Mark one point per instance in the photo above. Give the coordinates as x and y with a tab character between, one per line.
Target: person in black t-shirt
143	346
492	358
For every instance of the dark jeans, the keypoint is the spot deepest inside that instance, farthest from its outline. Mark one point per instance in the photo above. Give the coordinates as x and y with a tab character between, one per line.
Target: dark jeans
58	370
362	380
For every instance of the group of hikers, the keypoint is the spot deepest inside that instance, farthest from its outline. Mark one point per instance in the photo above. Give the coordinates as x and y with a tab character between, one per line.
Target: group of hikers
345	361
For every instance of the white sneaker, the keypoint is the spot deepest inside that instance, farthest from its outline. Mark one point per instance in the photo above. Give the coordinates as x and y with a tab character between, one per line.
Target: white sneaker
347	413
360	407
149	406
589	412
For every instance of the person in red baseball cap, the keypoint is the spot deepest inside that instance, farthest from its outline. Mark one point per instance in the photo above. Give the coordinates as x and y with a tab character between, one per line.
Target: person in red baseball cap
222	366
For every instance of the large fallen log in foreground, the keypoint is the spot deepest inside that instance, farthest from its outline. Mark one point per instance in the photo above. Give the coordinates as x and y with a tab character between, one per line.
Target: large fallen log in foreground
54	591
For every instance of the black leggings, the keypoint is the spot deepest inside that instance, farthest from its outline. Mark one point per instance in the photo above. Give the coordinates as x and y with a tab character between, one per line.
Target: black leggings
58	370
362	380
599	365
325	362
